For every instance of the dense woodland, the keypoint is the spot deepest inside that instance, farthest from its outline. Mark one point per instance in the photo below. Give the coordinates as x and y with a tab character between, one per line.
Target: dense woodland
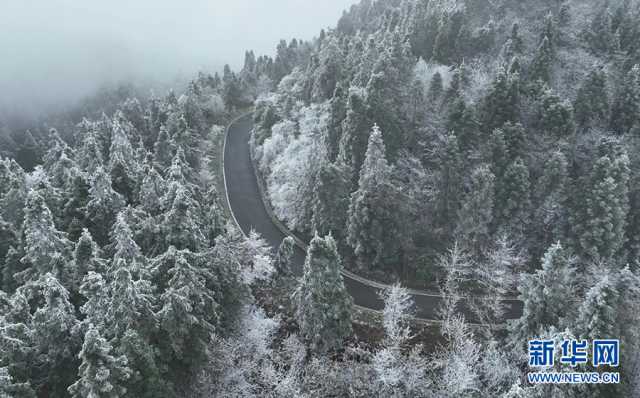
467	146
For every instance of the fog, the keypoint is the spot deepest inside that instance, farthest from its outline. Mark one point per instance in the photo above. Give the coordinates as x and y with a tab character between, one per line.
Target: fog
55	52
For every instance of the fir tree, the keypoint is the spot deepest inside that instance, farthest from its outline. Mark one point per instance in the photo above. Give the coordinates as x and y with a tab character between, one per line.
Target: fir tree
127	254
476	211
502	103
101	373
544	294
189	311
625	115
555	115
44	245
86	258
592	103
103	206
542	64
512	201
449	183
323	305
284	256
164	149
179	225
331	199
370	222
600	219
122	165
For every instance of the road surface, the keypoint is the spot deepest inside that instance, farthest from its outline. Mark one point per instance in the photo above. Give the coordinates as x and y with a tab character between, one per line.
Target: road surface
249	212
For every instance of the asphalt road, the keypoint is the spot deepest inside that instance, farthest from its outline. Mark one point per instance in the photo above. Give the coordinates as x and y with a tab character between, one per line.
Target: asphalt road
249	212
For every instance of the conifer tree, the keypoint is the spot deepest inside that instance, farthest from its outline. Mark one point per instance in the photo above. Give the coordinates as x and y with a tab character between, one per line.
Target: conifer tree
450	183
331	199
512	202
189	312
44	245
103	206
86	258
179	224
370	222
151	191
55	335
436	87
555	115
543	294
600	218
164	149
122	164
476	211
550	216
284	256
592	103
502	103
323	305
542	64
101	373
127	254
625	115
90	154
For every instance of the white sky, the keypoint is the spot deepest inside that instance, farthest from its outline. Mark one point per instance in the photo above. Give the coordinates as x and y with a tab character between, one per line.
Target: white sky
53	51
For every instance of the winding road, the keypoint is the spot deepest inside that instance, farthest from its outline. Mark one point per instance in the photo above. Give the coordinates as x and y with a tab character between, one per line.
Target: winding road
248	210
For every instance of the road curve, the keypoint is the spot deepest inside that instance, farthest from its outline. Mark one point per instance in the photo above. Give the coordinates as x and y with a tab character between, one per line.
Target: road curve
248	210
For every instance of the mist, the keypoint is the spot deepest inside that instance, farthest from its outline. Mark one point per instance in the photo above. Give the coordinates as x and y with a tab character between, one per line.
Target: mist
57	51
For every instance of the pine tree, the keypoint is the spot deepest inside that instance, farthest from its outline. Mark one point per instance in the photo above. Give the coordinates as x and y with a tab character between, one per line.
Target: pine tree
625	115
601	34
130	306
73	211
284	256
189	311
542	64
11	389
103	206
354	131
476	212
550	219
127	254
90	154
179	224
122	166
164	149
597	313
502	103
151	191
185	138
44	245
101	373
461	121
436	87
370	222
514	45
86	258
544	295
555	116
54	332
450	183
592	103
331	199
95	290
323	305
600	219
512	201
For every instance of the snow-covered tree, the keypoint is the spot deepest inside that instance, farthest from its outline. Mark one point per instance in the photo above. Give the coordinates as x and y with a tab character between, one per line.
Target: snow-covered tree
323	305
370	225
45	248
101	373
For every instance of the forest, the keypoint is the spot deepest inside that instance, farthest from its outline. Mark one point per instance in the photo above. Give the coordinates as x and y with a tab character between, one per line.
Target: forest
485	148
